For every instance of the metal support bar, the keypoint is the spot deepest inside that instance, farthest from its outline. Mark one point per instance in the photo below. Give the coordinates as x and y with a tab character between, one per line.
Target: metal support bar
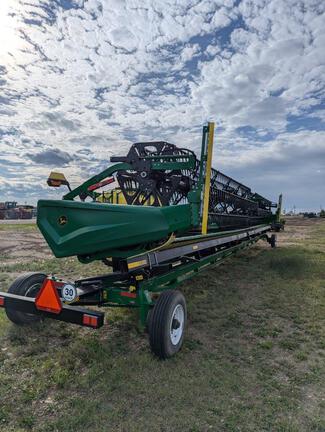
206	195
83	188
186	271
279	210
71	314
161	256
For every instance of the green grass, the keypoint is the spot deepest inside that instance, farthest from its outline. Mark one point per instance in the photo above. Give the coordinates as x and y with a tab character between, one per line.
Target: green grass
18	227
253	358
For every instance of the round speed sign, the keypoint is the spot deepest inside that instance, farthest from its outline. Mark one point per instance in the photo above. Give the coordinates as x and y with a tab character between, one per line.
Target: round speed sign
69	292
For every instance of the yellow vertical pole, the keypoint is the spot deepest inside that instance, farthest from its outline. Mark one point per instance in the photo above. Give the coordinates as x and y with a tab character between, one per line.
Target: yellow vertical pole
206	193
279	209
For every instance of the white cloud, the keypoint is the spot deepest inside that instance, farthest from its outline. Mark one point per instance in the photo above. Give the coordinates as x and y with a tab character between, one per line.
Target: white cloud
96	76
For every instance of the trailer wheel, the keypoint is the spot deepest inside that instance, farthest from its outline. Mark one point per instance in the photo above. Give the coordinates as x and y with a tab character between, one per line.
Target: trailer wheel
273	241
167	324
26	285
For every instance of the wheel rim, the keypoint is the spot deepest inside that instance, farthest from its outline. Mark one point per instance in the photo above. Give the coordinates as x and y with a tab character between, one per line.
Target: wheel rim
32	292
177	324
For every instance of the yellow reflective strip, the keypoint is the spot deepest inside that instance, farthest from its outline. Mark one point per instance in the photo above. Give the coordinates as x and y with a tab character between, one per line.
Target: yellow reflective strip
137	264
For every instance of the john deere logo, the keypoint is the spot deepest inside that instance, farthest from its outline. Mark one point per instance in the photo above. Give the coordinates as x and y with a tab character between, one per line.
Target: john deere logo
62	220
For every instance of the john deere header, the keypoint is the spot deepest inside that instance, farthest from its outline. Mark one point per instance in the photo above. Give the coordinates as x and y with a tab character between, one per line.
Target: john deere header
156	217
156	191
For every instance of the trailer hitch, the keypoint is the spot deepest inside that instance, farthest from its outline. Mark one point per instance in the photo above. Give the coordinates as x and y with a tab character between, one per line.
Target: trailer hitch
71	314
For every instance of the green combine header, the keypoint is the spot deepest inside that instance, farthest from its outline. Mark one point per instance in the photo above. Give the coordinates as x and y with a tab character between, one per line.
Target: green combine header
166	191
156	217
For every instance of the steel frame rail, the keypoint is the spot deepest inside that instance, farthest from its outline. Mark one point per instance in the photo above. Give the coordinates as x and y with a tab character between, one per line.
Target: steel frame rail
137	288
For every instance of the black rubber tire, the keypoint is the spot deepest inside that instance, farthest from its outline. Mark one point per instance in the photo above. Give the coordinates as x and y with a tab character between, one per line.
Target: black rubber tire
160	321
149	320
20	287
273	241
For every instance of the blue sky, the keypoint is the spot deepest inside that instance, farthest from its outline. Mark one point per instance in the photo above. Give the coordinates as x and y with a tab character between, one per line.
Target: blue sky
81	80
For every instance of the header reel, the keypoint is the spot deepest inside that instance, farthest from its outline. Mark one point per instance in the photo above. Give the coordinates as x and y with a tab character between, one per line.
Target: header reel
159	178
161	175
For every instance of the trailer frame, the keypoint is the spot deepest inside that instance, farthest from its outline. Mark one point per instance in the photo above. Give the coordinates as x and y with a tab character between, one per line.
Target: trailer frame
147	281
137	287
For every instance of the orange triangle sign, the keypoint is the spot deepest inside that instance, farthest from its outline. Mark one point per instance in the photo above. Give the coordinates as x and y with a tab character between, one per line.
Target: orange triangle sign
48	298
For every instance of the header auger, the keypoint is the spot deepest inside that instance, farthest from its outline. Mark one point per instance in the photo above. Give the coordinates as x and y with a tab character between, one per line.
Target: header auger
169	215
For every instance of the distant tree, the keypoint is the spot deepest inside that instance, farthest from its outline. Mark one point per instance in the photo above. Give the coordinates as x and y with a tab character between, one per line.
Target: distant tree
322	213
310	214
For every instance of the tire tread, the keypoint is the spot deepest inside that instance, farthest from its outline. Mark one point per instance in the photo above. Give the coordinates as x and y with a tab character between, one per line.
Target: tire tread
158	322
17	287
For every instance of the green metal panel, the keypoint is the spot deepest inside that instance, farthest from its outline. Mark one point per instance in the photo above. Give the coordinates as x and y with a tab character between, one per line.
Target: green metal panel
83	229
83	188
172	165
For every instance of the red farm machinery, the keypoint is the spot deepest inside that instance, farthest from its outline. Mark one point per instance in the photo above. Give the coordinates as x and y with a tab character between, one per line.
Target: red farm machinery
9	210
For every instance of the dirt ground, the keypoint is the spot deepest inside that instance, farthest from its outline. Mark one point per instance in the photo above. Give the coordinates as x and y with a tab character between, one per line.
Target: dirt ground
22	243
298	229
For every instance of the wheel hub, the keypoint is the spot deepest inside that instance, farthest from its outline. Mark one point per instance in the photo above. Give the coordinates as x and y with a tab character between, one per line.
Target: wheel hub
177	324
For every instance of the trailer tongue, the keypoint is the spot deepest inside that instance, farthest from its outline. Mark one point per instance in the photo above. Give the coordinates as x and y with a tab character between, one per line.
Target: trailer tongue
170	216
